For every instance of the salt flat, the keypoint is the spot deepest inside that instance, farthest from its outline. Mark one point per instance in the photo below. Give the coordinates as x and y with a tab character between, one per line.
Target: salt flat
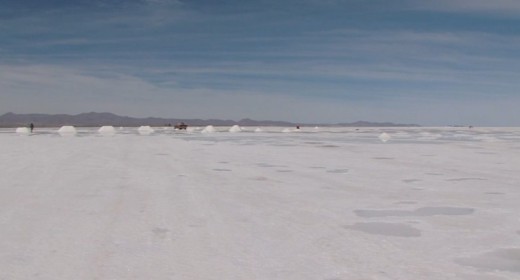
324	203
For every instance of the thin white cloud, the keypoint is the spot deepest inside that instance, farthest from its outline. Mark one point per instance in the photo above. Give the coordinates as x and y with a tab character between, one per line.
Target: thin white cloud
340	75
65	89
468	58
505	7
52	89
163	2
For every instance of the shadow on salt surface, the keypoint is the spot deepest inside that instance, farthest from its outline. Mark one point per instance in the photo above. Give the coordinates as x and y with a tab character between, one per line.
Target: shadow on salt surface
420	212
502	259
387	229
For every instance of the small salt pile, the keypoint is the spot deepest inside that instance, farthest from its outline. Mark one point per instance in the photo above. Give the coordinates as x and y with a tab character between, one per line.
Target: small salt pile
107	130
67	130
208	129
145	130
235	128
22	131
384	137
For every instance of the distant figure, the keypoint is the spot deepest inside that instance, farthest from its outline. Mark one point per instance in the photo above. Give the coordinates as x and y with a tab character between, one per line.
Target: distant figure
297	127
181	126
31	126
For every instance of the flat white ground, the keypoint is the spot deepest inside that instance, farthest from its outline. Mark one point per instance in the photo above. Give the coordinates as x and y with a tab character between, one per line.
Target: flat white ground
430	203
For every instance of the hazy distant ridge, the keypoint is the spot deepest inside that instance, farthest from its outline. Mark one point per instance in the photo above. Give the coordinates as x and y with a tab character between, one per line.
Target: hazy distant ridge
98	119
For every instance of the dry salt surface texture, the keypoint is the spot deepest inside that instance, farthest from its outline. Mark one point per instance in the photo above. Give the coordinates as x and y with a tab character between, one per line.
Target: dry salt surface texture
316	203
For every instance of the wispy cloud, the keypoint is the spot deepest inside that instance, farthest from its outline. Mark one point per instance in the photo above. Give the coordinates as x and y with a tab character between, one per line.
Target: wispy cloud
504	7
36	89
340	59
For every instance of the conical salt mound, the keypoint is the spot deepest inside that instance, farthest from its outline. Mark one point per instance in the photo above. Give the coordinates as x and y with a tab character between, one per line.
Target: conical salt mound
145	130
22	131
67	130
208	129
107	130
235	128
384	137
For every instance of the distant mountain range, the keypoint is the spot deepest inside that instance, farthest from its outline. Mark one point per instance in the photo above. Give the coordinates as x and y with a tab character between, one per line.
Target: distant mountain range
98	119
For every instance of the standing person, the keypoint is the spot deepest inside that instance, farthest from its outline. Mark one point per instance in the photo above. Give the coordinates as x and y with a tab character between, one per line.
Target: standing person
31	126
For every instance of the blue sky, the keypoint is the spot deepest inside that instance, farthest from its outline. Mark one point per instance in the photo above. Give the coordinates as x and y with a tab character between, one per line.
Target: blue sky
429	62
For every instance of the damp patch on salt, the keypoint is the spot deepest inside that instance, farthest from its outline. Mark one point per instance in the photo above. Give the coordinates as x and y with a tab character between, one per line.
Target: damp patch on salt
161	233
382	213
465	179
419	212
333	278
341	171
406	202
447	211
486	153
387	229
221	169
313	142
284	171
317	167
411	180
268	165
507	259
